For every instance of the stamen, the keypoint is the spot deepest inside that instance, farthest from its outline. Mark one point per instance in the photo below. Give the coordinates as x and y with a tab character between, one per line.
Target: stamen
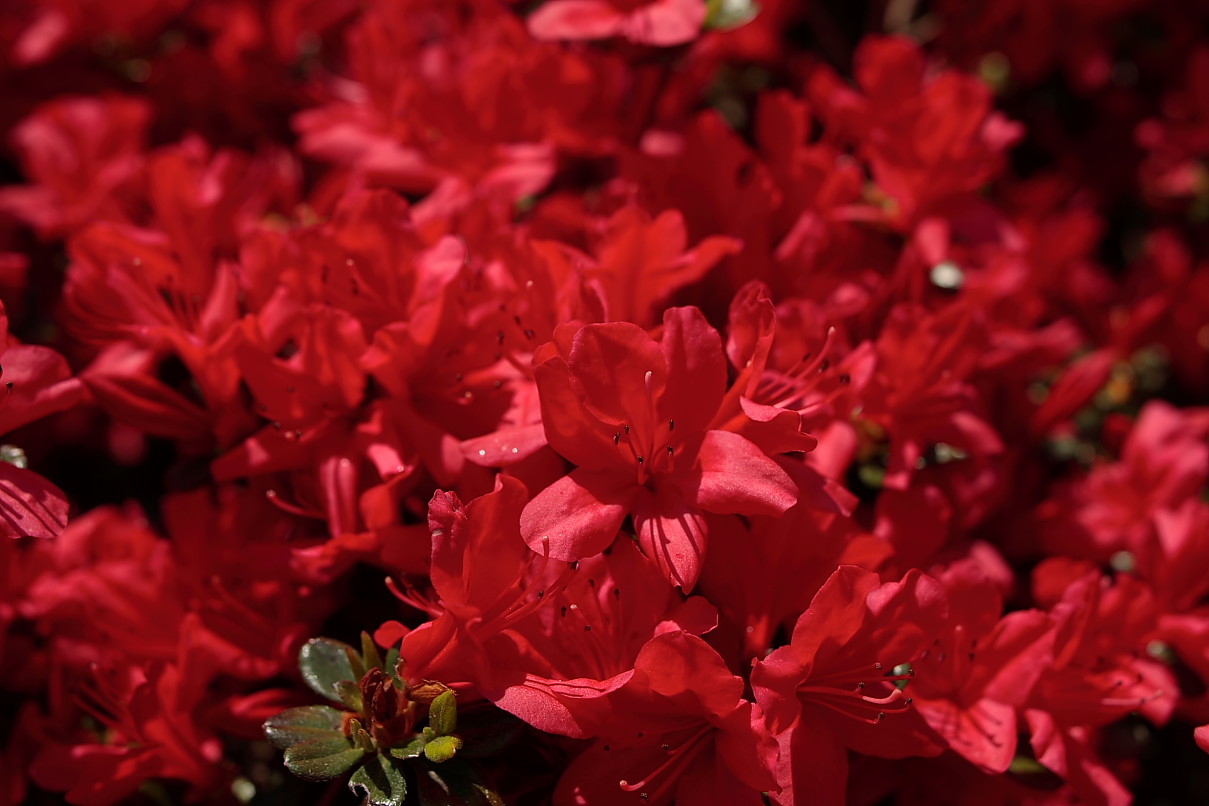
676	759
294	509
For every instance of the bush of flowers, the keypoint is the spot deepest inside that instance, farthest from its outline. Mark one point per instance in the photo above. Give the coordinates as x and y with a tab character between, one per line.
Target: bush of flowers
471	402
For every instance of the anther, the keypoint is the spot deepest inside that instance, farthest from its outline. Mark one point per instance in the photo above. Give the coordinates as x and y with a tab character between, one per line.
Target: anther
671	425
877	666
617	439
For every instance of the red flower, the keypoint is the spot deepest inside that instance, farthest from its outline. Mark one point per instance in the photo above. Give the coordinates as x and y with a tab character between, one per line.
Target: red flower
833	687
680	731
633	414
646	22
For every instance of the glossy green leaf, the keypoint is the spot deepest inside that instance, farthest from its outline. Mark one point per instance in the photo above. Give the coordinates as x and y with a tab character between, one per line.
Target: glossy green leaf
391	664
295	725
442	748
381	779
443	714
369	651
322	759
725	15
349	693
413	749
324	663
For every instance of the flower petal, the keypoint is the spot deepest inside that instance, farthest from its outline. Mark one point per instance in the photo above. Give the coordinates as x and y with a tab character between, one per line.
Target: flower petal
575	19
735	477
578	515
29	504
671	533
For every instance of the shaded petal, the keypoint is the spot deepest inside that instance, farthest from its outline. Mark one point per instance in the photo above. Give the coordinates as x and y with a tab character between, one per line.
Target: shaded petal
735	477
477	553
984	733
569	428
611	362
506	446
29	504
710	783
41	383
574	19
813	762
696	370
665	22
580	514
576	708
671	533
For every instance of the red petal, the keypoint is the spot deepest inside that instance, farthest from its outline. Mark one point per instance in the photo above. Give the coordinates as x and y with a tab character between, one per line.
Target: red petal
696	370
477	554
569	429
611	362
580	514
671	533
41	384
666	22
29	504
737	478
574	19
506	446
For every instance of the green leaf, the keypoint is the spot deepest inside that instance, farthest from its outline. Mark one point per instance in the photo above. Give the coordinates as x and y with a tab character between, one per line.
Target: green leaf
1032	773
392	662
324	663
295	725
728	14
349	693
382	781
322	759
370	652
413	749
357	664
443	713
442	748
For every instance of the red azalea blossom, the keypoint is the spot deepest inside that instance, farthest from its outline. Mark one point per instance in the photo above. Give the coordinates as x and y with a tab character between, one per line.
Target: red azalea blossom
633	414
604	402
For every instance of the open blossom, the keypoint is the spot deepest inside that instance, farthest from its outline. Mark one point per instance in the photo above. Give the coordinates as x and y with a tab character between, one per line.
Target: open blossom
633	414
833	686
680	732
604	402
